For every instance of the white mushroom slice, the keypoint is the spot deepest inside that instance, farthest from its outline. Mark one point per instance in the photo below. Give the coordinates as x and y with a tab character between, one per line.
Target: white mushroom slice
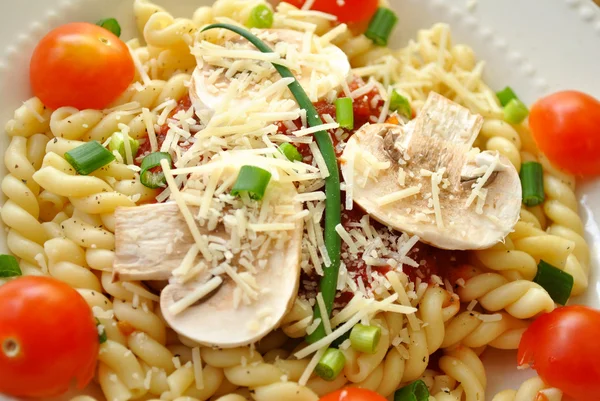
436	187
211	82
237	285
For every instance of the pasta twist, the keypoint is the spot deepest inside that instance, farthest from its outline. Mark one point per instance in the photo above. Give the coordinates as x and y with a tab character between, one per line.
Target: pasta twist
523	299
463	365
155	93
501	136
473	330
530	390
29	119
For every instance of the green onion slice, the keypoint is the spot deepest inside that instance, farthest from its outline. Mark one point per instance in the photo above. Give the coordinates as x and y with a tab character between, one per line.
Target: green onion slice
506	95
253	181
89	157
344	112
333	209
556	282
401	105
151	179
261	16
291	152
365	338
117	142
532	183
416	391
111	25
9	266
331	364
515	112
102	337
381	26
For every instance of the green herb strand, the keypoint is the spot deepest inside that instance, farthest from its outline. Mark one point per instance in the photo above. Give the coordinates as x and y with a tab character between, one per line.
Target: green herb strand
333	210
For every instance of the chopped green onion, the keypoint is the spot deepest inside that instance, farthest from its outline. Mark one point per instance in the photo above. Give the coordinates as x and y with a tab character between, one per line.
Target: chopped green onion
515	112
253	181
89	157
261	16
151	179
416	391
400	104
365	338
117	142
102	337
291	152
331	364
344	112
556	282
532	183
333	212
9	266
381	26
110	24
506	95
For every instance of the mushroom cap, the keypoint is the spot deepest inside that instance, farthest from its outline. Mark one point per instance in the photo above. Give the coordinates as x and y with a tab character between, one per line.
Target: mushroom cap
207	93
411	153
215	320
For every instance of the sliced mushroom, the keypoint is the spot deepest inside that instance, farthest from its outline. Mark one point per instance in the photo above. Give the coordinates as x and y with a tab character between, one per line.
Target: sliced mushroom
152	241
400	174
211	82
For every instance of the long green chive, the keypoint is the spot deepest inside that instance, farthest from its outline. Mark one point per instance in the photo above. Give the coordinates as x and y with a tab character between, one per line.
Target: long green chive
102	337
400	104
344	112
416	391
506	95
365	338
261	16
151	179
117	142
89	157
9	266
515	112
532	183
556	282
110	24
333	205
381	26
253	181
291	152
331	364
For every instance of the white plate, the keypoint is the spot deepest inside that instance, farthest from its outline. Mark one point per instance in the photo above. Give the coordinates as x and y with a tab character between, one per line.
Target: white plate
535	46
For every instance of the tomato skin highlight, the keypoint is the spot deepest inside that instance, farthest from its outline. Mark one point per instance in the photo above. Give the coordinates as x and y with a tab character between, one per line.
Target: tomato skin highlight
566	128
562	346
353	394
351	11
80	65
56	334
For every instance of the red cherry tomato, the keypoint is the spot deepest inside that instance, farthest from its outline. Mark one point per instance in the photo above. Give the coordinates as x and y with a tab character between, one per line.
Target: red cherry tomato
562	346
48	338
353	394
80	65
566	128
349	11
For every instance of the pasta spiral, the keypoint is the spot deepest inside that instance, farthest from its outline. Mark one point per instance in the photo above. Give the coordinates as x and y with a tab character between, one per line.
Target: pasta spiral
530	390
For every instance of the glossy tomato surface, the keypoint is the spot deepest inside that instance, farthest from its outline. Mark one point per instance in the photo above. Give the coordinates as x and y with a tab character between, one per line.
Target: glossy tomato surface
564	348
80	65
346	11
48	338
353	394
566	128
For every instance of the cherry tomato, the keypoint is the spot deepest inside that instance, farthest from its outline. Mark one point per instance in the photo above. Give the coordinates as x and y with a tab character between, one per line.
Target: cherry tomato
349	11
562	346
353	394
48	337
80	65
566	128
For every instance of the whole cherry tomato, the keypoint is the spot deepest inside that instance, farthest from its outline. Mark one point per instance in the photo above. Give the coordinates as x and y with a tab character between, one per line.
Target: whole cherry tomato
346	11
